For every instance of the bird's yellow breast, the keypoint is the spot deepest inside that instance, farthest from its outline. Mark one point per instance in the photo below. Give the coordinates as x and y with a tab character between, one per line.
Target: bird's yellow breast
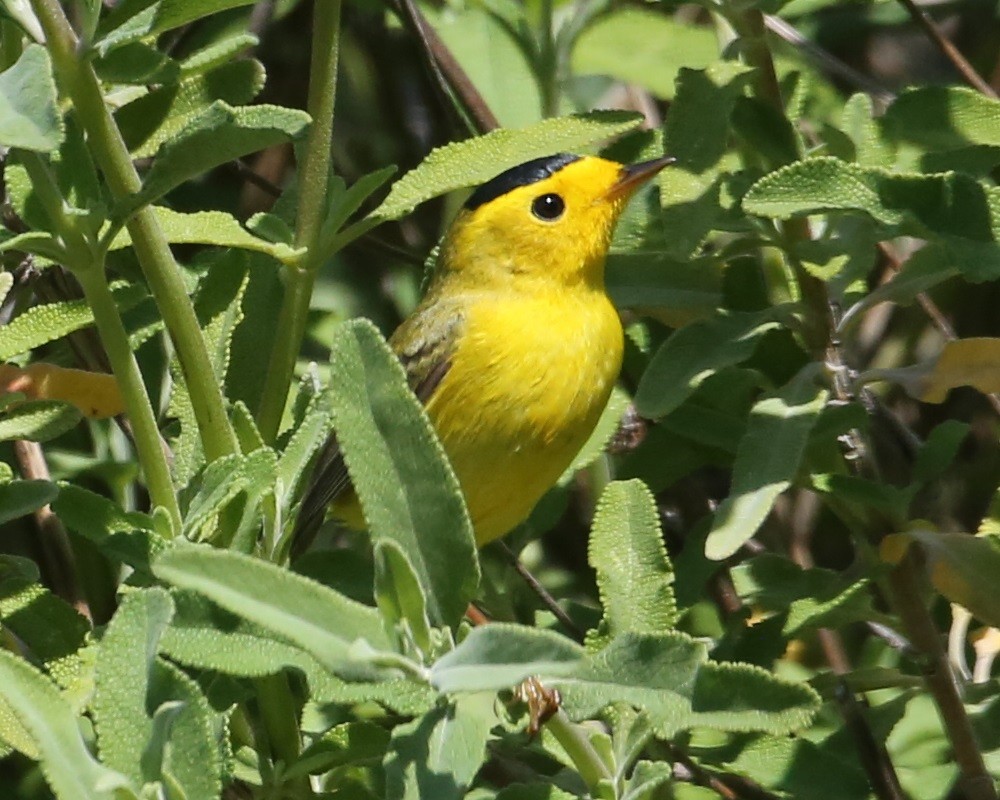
529	377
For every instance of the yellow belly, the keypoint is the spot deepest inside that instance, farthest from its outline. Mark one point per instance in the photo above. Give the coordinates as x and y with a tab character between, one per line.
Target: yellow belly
527	383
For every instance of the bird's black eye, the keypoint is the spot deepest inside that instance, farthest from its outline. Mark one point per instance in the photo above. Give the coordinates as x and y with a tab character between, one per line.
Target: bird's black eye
548	207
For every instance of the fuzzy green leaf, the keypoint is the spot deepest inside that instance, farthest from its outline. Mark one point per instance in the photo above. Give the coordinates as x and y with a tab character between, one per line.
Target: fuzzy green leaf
410	494
38	420
18	498
766	462
223	480
215	136
162	15
321	621
355	743
399	595
694	353
438	754
69	768
127	536
215	228
125	662
670	677
154	118
29	116
961	212
469	163
44	323
944	117
634	574
500	655
640	46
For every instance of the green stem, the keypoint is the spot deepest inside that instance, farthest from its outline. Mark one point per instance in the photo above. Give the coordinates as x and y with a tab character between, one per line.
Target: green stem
277	712
140	410
314	173
578	747
162	273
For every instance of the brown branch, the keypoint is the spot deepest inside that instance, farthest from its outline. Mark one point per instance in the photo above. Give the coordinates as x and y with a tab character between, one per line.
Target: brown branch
933	312
540	590
905	583
944	44
56	560
824	58
446	69
874	757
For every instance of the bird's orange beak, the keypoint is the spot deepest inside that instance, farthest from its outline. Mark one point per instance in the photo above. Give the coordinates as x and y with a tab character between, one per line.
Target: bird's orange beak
635	175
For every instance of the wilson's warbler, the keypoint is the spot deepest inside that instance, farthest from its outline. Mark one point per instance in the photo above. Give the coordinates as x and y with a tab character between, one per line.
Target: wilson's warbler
515	347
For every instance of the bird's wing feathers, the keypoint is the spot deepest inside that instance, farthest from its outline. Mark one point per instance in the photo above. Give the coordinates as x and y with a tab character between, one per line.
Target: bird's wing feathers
424	344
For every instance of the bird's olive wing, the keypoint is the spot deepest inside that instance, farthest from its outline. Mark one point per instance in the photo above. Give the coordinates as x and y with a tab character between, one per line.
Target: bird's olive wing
424	344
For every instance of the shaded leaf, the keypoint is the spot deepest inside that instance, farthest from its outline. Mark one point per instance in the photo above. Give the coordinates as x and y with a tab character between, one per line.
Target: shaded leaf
18	498
409	494
321	621
29	116
766	462
69	768
38	420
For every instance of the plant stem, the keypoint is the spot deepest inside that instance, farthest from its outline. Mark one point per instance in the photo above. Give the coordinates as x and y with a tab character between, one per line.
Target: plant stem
314	173
277	711
140	410
578	747
161	271
906	597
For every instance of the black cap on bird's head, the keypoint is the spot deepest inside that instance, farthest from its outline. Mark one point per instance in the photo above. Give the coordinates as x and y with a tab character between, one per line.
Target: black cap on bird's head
522	175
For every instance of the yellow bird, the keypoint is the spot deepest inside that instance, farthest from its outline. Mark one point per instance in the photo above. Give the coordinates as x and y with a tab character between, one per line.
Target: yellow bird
515	348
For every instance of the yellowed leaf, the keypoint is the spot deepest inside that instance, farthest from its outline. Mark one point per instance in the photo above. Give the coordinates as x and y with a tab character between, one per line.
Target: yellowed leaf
963	362
96	394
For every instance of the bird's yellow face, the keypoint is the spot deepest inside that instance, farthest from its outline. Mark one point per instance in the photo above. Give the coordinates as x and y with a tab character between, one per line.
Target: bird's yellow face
548	220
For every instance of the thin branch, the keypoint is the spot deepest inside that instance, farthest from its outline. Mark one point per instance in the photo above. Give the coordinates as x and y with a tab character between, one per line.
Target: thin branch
57	554
874	757
944	44
826	59
933	312
538	589
447	71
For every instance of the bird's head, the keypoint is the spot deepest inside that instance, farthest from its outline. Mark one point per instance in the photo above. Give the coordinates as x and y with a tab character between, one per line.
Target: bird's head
549	219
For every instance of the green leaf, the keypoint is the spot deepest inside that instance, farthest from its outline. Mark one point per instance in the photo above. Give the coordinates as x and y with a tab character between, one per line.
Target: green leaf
160	16
29	115
321	621
634	574
606	427
51	630
38	420
409	493
18	498
694	353
766	462
438	754
44	323
960	566
67	764
494	60
643	47
939	450
670	678
944	118
400	597
469	163
961	212
127	536
352	743
223	480
126	657
697	135
154	118
215	136
500	655
215	228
